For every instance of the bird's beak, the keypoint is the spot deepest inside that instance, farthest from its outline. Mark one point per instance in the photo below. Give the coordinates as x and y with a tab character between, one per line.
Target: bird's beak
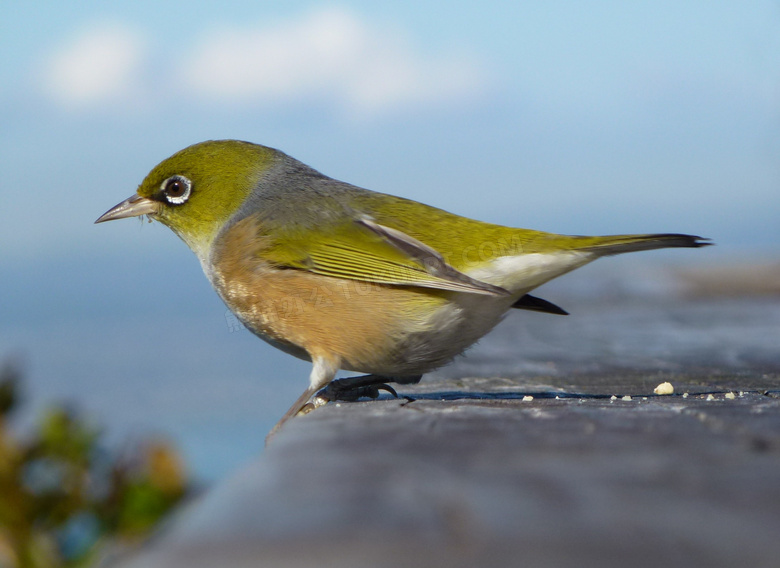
134	206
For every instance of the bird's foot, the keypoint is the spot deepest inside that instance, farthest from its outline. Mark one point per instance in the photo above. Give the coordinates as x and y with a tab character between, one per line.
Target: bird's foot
349	389
352	389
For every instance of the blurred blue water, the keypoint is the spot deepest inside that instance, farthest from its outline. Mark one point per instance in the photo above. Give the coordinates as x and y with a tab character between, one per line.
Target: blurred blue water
144	346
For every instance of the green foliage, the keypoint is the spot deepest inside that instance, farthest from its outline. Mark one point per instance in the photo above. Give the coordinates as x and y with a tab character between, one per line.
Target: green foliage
64	500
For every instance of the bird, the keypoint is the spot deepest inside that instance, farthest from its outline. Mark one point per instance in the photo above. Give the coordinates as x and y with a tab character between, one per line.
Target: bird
348	278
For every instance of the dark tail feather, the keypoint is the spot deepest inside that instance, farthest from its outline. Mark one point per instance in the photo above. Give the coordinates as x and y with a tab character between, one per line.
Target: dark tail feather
632	243
535	304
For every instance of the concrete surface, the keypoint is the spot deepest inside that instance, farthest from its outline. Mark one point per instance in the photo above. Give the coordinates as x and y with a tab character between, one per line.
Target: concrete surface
473	473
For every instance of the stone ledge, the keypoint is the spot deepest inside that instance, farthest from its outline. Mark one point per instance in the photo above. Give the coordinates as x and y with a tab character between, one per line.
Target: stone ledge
486	478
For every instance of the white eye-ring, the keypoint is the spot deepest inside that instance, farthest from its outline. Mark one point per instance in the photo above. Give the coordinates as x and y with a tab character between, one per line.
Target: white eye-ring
176	189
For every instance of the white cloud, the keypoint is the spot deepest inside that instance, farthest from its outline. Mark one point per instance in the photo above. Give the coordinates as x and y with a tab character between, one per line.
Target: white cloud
327	55
104	64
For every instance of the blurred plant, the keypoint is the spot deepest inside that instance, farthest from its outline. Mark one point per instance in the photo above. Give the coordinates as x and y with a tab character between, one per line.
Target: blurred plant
64	500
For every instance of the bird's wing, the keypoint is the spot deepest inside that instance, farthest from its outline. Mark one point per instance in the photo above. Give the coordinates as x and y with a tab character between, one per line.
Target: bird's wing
364	250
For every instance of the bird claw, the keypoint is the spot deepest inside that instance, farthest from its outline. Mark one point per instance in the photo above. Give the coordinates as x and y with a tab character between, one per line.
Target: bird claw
306	408
371	391
349	390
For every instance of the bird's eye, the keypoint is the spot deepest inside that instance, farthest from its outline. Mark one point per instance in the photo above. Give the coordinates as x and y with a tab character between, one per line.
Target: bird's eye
176	189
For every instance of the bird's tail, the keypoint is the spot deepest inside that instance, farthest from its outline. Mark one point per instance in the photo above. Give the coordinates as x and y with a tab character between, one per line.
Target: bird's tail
618	244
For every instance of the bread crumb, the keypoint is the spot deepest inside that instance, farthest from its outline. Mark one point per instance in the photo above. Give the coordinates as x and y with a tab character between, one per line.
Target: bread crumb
685	395
527	398
626	398
710	397
613	398
730	395
664	388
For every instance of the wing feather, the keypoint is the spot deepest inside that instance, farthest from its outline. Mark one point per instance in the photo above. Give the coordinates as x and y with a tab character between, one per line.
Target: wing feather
367	251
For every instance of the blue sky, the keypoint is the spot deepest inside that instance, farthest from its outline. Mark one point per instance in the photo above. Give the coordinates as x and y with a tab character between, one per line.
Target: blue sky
574	117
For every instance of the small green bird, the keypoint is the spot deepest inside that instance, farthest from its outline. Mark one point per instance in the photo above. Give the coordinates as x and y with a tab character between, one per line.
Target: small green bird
348	278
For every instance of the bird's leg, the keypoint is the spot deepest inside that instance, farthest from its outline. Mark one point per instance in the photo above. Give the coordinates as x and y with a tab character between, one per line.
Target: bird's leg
322	372
298	407
349	389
